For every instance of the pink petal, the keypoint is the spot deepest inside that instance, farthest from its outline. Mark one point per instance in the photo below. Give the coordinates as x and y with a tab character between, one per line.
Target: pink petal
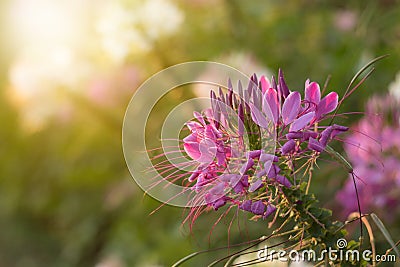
273	171
226	177
301	122
326	135
337	129
308	134
282	84
246	205
253	154
255	186
199	117
283	181
192	149
288	147
215	193
313	144
270	210
218	189
190	138
245	167
294	135
208	151
258	117
219	203
221	158
313	94
264	157
240	127
203	151
327	104
193	176
235	179
265	85
209	133
291	107
258	207
240	120
193	126
271	99
307	83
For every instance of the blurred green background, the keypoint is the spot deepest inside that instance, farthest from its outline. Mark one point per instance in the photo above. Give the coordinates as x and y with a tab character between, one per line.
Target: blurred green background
68	70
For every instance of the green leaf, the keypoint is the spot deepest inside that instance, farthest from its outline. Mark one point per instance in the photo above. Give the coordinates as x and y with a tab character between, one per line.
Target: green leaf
385	232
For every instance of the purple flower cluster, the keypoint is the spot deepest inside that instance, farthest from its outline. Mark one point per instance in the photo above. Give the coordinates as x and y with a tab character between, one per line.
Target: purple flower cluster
266	113
374	151
298	118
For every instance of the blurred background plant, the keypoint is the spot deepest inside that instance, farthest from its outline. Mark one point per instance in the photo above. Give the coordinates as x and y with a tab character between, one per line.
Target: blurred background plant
374	150
68	70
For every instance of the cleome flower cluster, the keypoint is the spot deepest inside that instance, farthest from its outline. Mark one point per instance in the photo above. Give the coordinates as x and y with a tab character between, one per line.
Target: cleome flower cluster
247	143
373	148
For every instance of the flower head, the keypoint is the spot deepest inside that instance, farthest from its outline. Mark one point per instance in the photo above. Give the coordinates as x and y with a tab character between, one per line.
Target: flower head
245	140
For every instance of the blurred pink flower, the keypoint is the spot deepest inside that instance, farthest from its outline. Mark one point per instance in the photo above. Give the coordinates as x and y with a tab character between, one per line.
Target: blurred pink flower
345	20
374	151
108	89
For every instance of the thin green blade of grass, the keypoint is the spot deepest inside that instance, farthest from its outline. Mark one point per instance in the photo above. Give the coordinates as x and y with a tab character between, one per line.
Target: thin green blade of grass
184	259
385	232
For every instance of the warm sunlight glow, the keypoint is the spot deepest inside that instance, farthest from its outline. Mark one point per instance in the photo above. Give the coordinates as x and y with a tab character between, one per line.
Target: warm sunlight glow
61	46
47	37
42	22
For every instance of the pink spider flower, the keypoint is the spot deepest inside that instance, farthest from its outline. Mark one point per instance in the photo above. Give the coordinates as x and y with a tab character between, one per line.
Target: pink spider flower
374	151
263	103
296	117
